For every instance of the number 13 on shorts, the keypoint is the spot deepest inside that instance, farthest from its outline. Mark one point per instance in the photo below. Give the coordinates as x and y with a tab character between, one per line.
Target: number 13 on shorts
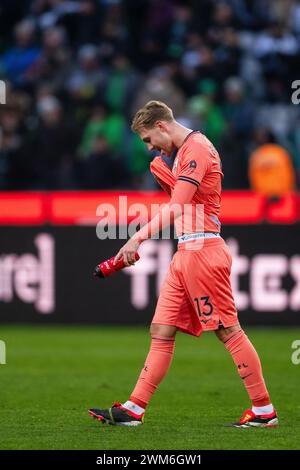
203	306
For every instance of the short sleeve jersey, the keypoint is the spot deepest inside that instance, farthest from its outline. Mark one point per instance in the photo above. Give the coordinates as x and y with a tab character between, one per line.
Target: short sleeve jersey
197	162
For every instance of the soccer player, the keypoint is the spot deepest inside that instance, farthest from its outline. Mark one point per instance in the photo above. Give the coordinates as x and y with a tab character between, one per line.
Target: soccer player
196	295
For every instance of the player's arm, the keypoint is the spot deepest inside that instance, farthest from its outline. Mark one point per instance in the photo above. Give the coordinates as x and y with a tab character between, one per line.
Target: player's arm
183	194
196	162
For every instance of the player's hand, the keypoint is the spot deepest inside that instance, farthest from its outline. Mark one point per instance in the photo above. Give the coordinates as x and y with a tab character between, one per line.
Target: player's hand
127	252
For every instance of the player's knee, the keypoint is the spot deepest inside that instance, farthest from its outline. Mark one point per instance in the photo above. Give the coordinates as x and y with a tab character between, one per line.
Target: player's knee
224	333
167	331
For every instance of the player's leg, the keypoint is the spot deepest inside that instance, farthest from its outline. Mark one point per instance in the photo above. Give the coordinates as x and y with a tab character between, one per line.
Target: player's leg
173	307
249	369
163	330
211	291
156	366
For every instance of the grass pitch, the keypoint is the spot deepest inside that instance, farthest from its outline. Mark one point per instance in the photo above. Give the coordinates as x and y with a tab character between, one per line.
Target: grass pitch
53	374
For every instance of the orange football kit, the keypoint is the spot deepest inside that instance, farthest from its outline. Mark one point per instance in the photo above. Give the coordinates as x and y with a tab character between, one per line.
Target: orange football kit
196	294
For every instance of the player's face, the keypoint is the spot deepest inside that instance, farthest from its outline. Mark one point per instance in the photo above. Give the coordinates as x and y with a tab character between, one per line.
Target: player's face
158	138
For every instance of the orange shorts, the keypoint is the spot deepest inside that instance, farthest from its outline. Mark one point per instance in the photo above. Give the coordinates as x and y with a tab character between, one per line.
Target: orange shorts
196	295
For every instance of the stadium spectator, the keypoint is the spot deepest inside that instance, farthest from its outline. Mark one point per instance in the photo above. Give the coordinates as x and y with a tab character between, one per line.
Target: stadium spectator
13	131
98	167
18	61
205	113
52	146
238	109
55	60
122	85
270	171
159	86
111	126
87	78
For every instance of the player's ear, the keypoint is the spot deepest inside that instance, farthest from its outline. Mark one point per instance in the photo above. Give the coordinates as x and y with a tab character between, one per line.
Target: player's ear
161	125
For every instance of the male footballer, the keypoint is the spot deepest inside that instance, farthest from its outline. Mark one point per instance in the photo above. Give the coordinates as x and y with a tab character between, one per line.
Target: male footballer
196	295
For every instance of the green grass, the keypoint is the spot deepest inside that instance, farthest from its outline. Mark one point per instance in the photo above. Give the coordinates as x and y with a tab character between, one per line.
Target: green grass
53	374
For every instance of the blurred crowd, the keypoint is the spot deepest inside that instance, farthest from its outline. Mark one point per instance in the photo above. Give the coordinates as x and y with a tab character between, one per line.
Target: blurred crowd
76	72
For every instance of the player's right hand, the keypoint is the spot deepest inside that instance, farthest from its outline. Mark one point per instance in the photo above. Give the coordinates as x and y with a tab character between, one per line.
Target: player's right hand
127	252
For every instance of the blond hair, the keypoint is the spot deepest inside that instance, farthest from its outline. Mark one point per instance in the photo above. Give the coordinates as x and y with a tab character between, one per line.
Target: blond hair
147	116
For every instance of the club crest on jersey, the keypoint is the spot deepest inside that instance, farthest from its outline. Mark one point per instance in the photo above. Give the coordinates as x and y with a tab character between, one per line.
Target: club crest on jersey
193	164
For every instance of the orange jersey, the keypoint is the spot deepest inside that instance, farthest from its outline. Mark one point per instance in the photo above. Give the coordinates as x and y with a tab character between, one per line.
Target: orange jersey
196	295
198	162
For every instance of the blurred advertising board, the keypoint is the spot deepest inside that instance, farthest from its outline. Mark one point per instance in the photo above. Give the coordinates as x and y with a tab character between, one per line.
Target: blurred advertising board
46	275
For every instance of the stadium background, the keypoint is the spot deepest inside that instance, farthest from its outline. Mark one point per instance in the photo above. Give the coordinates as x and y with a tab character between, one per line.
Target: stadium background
75	73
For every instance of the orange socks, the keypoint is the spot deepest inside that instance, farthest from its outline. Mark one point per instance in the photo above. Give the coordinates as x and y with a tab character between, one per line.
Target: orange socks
249	367
156	366
160	357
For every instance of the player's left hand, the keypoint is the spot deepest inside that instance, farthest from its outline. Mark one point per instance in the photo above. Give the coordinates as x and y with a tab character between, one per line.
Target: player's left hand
128	252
